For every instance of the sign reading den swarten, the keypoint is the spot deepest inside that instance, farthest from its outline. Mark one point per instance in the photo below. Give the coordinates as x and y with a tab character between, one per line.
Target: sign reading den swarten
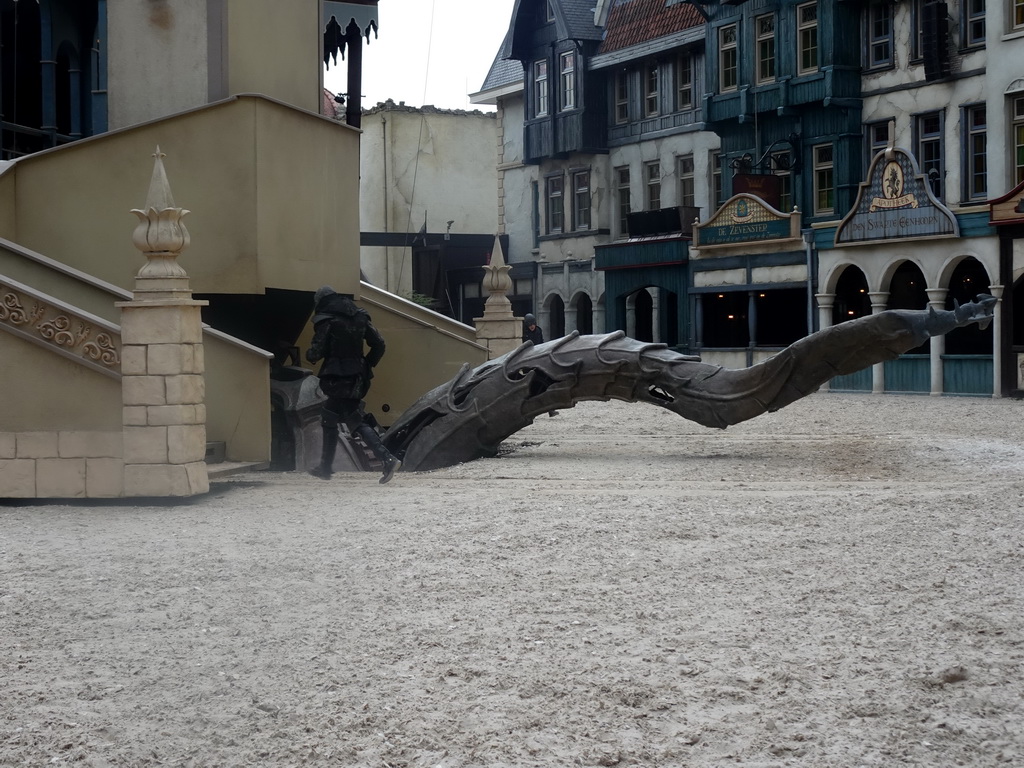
744	219
895	203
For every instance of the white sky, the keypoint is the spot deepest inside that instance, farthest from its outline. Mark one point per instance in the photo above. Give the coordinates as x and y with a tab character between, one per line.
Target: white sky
428	52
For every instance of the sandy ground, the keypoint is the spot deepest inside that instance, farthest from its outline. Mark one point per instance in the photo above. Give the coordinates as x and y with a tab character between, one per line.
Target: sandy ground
838	584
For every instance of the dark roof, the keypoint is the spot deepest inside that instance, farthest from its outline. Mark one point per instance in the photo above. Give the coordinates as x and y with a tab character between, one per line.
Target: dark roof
574	20
579	19
502	72
632	22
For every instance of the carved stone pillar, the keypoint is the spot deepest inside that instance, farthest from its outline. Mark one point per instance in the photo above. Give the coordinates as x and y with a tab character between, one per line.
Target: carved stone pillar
163	389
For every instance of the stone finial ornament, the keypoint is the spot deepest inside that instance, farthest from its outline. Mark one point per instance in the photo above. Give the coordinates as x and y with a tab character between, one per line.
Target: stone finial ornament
497	281
161	236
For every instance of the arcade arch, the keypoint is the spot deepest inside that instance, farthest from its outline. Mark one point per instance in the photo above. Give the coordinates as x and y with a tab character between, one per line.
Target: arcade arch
580	316
851	296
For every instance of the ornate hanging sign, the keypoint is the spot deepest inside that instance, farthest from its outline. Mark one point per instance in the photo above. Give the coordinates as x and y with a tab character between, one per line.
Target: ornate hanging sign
746	218
895	203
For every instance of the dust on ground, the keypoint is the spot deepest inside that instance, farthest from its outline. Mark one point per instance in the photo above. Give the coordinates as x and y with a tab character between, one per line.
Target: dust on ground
838	584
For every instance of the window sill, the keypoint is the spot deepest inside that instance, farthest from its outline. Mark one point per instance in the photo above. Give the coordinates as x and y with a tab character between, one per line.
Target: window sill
572	235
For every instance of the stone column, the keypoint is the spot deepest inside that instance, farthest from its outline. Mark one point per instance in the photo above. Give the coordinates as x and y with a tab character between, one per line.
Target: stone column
937	345
997	338
879	303
499	330
163	390
825	303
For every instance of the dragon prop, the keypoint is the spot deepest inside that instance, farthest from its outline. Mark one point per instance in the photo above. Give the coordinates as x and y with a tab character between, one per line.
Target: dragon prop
468	417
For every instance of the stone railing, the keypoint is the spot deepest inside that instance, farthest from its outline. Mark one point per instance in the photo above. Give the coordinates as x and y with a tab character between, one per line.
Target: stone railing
156	445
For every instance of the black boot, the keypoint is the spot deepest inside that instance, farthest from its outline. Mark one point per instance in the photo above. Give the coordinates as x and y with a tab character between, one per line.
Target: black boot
372	439
330	444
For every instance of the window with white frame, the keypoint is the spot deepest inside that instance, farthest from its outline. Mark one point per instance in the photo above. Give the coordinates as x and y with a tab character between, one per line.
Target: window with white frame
807	38
622	197
549	12
581	200
1017	15
652	186
540	88
917	29
879	50
554	203
684	82
974	23
717	187
687	187
567	67
975	126
764	27
928	147
824	180
728	58
651	90
621	97
876	138
781	163
1018	139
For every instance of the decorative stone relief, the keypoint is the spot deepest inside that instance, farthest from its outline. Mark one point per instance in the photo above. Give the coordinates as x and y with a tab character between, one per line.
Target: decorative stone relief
60	328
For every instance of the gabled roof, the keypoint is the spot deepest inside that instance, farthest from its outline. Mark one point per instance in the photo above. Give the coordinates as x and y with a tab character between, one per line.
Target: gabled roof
503	72
632	22
574	20
578	16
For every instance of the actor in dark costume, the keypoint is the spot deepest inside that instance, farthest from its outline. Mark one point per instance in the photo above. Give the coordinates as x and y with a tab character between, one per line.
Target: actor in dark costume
532	331
340	331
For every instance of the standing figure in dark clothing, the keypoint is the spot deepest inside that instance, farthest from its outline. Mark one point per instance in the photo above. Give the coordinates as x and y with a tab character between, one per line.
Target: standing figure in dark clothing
532	331
340	331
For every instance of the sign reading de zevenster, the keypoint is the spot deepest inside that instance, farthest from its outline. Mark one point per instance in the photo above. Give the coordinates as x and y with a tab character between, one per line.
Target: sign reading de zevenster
744	219
895	203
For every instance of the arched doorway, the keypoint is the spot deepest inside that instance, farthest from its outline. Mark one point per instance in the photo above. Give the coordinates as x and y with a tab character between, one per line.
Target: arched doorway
967	359
967	281
640	315
852	300
556	318
584	315
910	372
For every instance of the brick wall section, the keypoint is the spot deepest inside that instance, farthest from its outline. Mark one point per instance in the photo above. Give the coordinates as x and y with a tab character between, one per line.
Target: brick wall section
163	392
68	465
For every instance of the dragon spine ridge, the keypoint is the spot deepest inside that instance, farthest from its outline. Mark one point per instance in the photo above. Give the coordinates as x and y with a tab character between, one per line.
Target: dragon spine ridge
469	416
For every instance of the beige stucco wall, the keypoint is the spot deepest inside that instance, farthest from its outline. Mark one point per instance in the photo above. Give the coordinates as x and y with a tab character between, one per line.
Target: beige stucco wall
237	381
237	398
266	183
61	282
44	391
423	352
424	162
157	59
276	49
168	56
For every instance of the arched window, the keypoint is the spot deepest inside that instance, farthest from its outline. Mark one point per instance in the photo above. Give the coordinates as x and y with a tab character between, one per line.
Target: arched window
852	300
